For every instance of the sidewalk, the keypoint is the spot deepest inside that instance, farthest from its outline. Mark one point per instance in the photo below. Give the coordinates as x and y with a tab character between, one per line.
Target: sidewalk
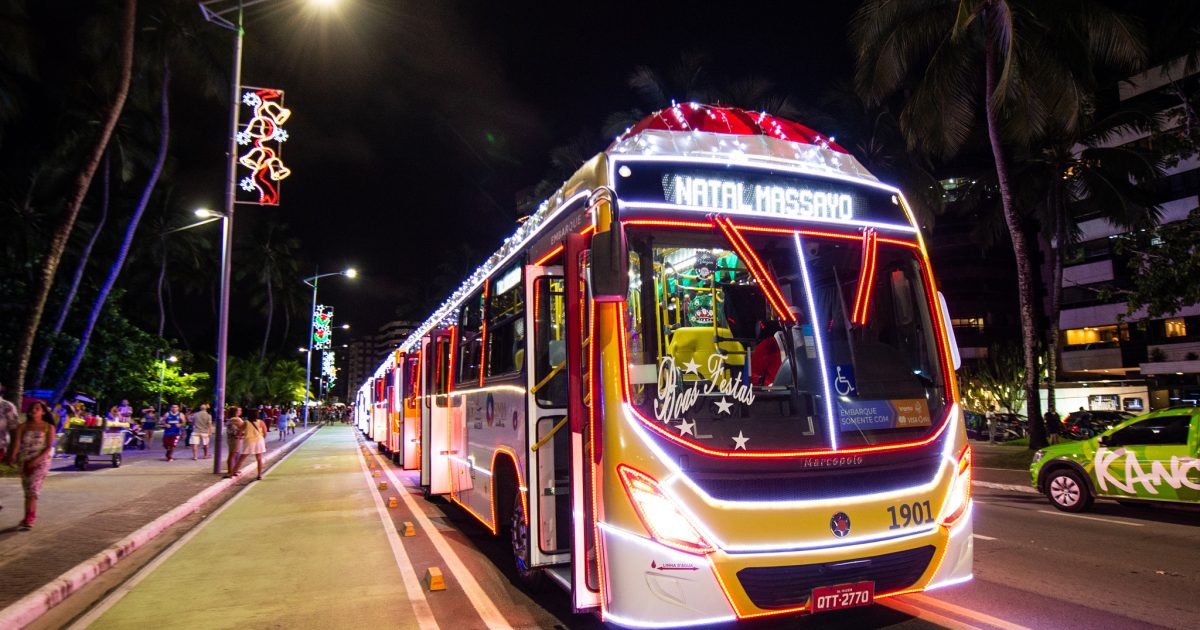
82	513
302	548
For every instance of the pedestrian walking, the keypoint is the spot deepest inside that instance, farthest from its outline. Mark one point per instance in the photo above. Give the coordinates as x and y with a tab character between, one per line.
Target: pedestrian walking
32	448
280	423
991	424
291	421
1053	426
172	428
202	424
254	441
234	437
149	423
126	412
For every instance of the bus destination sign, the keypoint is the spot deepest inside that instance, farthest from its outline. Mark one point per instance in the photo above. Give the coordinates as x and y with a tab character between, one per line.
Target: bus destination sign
750	191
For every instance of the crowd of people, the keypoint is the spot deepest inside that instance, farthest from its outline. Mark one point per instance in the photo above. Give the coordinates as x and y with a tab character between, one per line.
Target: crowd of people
30	445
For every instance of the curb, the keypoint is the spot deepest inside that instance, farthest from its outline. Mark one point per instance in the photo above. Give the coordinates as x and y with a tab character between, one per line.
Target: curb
29	608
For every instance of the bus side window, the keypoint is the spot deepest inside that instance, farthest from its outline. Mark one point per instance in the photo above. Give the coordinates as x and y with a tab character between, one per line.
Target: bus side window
506	324
550	341
470	343
441	371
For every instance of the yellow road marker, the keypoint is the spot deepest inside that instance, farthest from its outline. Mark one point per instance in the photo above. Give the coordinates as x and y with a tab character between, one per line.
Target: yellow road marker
383	485
393	502
434	580
408	527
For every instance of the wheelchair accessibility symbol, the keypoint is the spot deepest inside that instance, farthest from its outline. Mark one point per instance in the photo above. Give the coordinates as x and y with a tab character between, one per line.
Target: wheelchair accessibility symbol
843	380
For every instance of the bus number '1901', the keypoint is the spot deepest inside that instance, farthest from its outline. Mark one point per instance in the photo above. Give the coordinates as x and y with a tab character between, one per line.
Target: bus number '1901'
918	513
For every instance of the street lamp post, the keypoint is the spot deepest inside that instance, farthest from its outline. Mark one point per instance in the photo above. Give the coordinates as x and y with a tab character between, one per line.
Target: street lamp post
215	14
312	282
162	373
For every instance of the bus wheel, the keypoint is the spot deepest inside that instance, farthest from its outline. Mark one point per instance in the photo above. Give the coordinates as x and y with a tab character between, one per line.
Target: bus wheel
519	532
1067	491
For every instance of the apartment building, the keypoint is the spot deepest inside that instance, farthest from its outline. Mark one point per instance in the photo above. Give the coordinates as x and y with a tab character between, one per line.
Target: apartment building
1128	361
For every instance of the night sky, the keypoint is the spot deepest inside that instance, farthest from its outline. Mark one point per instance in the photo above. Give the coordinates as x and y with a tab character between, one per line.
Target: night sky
417	125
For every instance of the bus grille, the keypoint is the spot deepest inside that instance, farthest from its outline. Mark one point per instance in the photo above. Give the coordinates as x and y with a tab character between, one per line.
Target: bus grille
815	484
789	587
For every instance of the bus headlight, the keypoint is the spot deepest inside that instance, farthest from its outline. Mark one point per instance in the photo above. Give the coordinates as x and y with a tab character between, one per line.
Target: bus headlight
959	496
660	515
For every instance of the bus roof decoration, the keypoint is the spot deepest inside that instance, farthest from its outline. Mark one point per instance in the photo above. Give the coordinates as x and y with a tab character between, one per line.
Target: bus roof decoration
710	131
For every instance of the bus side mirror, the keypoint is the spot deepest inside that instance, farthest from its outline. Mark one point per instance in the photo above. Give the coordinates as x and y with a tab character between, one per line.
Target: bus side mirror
610	278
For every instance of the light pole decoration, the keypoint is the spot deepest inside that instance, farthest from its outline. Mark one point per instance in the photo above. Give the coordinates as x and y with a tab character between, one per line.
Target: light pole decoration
321	336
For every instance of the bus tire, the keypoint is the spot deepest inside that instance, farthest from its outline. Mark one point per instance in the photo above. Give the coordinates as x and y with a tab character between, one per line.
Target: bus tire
1068	491
522	545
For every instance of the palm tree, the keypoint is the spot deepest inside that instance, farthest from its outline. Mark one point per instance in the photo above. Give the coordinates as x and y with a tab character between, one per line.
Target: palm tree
156	170
277	265
1039	63
58	242
77	278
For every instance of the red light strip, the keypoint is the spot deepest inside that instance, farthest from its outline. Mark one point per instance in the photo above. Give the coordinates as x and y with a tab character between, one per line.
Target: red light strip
549	256
756	268
453	355
512	456
669	223
866	278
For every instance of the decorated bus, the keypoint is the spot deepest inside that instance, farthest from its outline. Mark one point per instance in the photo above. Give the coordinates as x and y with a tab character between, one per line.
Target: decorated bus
711	378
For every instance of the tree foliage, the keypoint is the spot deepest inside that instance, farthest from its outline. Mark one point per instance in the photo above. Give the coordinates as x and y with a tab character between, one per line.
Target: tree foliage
996	380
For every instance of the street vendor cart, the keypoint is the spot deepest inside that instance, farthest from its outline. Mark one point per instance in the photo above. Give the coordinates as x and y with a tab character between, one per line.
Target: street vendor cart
86	441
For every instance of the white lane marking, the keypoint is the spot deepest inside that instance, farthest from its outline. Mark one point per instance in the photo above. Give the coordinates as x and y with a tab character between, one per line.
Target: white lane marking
912	610
1010	487
973	615
982	537
479	599
1092	518
121	591
412	584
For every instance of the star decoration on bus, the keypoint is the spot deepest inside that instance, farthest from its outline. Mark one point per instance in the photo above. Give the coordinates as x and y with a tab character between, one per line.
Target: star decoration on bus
740	441
686	428
724	406
691	367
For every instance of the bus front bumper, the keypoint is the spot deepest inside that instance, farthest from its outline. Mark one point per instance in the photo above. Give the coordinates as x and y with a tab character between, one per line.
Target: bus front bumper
650	585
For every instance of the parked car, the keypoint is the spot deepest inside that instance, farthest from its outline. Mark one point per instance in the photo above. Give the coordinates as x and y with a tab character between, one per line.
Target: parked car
1009	426
1150	458
1084	425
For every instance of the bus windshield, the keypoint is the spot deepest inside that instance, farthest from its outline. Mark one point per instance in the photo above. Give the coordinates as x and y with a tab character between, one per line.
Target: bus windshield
738	346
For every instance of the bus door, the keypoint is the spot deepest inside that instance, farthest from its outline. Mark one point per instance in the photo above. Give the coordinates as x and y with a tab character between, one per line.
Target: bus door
410	410
549	456
439	447
585	576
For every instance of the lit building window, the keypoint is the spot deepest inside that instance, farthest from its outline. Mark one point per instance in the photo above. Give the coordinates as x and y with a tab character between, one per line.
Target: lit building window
1091	334
1176	327
974	323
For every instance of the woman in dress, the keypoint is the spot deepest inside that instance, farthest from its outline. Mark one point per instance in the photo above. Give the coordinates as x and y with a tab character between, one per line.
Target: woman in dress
33	444
233	437
255	441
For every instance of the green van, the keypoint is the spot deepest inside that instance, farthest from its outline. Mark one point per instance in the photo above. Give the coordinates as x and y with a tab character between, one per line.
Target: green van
1148	458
